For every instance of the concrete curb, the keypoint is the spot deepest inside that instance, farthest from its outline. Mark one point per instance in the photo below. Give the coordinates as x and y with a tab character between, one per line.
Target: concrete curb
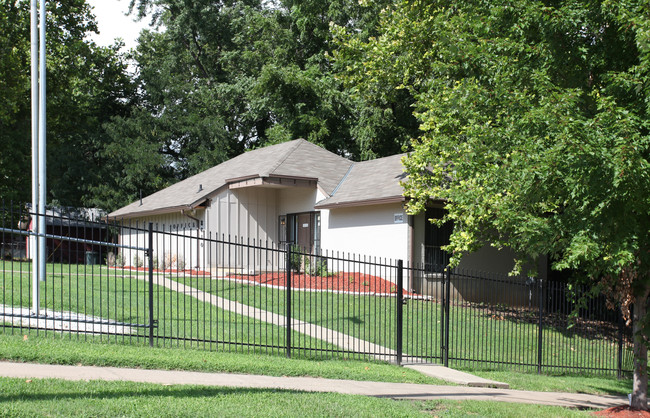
455	376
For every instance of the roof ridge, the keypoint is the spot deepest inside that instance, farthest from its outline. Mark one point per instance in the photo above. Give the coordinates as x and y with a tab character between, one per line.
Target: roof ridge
381	158
290	151
347	173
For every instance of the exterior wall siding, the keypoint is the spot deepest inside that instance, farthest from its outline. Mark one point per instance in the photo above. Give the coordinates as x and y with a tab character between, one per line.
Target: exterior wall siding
175	252
249	213
299	199
366	230
486	261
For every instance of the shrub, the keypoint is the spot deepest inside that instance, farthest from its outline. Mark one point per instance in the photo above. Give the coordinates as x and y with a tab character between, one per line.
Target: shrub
119	261
296	258
180	262
137	261
164	262
319	268
110	260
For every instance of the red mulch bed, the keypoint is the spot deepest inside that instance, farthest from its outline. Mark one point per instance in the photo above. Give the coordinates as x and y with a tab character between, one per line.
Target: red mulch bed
622	412
341	282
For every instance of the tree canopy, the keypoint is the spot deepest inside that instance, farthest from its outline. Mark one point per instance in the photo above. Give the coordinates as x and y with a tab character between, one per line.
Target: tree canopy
87	85
534	130
220	78
212	80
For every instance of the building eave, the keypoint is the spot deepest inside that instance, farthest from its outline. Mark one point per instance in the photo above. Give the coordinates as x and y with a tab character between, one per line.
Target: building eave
366	202
271	181
152	212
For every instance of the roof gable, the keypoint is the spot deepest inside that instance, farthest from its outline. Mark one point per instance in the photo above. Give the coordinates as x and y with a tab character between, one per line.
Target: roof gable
293	158
369	182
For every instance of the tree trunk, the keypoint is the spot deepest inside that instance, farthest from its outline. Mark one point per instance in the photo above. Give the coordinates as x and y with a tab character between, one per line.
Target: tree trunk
640	378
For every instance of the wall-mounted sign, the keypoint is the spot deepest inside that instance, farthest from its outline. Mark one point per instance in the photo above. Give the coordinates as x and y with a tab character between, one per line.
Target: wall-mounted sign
305	225
399	218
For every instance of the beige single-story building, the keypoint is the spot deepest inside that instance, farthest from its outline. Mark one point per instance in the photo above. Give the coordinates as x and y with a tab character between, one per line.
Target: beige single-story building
297	192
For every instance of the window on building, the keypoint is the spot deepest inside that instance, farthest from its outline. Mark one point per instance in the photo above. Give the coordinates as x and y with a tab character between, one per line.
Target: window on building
436	237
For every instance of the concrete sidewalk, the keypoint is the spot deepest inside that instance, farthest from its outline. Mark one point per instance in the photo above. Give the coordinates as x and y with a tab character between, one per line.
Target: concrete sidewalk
378	389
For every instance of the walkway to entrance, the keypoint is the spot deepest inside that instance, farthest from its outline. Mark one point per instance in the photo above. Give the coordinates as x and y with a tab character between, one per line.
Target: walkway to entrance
339	339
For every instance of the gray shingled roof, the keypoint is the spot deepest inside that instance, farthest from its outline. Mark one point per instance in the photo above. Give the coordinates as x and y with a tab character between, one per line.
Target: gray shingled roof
373	181
297	158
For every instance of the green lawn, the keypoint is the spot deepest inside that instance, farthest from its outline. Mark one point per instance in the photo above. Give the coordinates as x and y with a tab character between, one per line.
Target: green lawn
57	349
122	296
69	288
49	397
61	350
109	398
476	332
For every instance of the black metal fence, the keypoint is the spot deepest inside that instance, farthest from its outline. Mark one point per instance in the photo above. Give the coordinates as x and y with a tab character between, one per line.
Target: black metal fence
180	286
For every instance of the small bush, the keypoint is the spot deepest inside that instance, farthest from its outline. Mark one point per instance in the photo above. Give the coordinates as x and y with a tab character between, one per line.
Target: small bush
180	262
164	262
119	261
170	260
137	261
110	260
296	258
319	268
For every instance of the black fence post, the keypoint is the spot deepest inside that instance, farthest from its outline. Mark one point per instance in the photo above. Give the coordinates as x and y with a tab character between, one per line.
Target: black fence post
540	326
150	254
447	304
400	309
619	365
288	291
443	349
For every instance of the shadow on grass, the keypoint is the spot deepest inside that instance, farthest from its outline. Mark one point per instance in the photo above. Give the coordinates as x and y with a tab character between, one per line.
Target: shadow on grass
91	392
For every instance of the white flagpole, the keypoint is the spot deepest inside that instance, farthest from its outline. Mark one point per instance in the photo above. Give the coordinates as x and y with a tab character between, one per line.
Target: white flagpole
33	250
42	146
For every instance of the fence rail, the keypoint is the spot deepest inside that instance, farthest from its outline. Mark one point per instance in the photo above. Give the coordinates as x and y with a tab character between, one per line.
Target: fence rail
178	287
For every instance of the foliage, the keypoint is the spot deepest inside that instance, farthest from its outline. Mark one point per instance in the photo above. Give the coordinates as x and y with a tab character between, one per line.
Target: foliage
137	261
219	78
119	260
534	128
296	258
180	262
318	267
86	86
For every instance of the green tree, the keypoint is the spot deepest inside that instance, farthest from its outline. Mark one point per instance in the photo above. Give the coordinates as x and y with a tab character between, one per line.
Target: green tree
87	85
534	132
220	78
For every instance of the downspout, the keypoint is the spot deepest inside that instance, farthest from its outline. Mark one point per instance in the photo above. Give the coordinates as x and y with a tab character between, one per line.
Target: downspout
198	238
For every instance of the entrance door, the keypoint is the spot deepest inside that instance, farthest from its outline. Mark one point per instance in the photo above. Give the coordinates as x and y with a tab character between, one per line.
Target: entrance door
304	231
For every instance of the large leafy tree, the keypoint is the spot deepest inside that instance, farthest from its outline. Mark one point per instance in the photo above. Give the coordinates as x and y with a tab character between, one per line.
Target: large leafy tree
534	131
219	78
87	85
